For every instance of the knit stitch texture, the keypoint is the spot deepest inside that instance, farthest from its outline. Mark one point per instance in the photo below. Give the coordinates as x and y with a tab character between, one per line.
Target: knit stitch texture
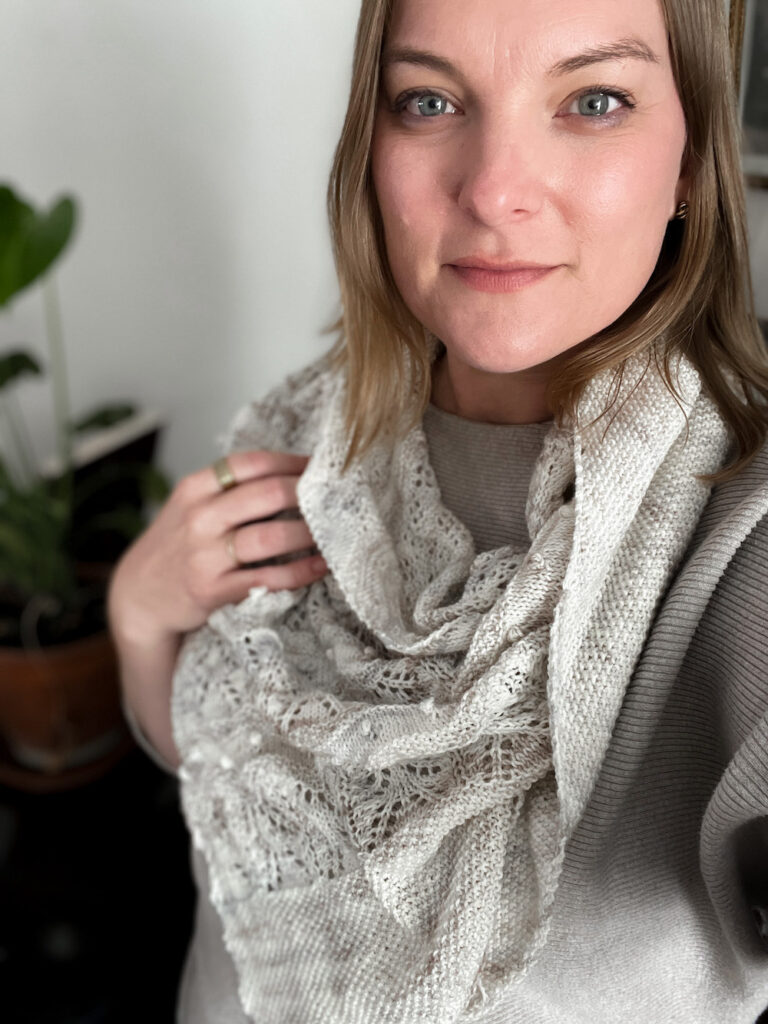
383	769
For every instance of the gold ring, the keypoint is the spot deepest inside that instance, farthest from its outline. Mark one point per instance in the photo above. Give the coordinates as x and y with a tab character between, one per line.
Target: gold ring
229	544
223	472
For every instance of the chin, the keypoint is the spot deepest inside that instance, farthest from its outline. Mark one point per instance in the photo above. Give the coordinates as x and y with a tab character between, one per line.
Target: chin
502	351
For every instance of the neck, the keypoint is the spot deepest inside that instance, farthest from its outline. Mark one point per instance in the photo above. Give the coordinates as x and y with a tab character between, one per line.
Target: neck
491	397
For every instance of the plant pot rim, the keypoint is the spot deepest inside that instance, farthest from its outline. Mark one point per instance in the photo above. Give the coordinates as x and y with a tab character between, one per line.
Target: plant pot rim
85	644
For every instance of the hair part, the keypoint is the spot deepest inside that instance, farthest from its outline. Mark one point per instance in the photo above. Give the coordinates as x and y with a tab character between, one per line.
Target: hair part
699	299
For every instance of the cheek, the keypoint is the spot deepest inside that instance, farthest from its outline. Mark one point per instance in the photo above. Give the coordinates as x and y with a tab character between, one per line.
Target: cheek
406	193
623	205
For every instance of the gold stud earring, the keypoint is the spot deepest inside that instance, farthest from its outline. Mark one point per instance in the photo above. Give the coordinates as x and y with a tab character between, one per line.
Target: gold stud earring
682	211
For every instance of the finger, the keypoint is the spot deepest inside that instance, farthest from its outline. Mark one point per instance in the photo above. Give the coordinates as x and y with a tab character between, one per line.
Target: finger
257	499
245	466
234	586
261	541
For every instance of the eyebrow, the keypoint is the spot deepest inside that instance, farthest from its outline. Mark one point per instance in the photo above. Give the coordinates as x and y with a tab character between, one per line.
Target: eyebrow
622	49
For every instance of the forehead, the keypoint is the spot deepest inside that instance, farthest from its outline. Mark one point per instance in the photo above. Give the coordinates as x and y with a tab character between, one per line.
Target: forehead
523	33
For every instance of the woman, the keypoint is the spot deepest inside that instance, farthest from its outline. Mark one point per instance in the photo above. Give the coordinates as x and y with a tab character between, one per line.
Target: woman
502	755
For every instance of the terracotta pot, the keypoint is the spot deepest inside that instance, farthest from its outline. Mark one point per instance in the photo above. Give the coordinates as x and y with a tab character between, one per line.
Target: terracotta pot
60	706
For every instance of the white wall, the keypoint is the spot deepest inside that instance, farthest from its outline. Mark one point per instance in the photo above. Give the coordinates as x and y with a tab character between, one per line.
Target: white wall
198	136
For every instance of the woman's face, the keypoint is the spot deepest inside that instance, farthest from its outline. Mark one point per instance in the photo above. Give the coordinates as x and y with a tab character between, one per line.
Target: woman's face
538	132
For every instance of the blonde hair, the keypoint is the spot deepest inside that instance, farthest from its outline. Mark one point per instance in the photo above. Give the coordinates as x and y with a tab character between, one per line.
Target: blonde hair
699	297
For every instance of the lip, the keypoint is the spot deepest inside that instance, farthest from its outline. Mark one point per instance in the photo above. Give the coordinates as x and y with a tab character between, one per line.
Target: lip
481	263
510	278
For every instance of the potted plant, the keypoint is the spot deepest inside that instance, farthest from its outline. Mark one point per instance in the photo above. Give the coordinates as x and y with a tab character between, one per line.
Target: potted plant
62	528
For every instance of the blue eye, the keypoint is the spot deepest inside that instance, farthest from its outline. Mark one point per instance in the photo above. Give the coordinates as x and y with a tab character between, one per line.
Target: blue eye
595	102
428	104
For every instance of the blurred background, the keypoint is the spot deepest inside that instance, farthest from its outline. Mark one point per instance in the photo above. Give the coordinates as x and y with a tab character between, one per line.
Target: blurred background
196	138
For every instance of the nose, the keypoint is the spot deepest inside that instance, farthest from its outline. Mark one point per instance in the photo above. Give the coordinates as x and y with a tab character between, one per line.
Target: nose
501	173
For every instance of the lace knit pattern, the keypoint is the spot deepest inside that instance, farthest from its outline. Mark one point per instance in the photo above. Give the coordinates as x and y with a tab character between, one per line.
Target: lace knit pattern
382	769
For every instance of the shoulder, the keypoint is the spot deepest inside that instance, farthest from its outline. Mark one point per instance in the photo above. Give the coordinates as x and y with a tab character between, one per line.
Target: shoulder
286	418
748	487
734	525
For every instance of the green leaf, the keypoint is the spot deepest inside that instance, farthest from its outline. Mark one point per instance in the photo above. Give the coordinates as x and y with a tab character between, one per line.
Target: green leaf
30	240
34	541
12	538
14	215
155	486
6	483
15	365
47	238
30	564
104	416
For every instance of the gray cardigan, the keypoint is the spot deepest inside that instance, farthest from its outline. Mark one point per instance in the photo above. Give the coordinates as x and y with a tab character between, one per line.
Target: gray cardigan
662	912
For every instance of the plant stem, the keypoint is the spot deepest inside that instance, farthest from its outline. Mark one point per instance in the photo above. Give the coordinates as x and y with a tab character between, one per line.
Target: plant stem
24	450
13	454
60	387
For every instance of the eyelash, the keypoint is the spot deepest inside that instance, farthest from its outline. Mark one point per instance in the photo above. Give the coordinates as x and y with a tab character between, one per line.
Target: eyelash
398	107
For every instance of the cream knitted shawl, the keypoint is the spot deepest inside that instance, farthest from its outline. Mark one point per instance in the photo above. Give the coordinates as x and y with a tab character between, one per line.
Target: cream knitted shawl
382	769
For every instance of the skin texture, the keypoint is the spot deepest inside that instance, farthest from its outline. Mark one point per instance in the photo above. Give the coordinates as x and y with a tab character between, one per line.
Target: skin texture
512	168
179	570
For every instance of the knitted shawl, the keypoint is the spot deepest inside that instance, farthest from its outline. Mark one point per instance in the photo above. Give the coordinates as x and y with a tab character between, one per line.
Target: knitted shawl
382	769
